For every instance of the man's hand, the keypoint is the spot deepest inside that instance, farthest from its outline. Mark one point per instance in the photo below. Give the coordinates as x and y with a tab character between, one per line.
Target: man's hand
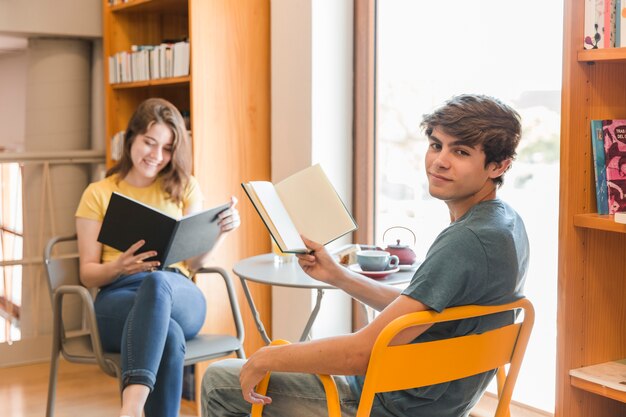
319	264
128	263
251	374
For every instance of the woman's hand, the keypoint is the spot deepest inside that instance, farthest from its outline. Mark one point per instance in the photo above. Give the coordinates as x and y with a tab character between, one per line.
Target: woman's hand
229	218
319	264
130	263
251	374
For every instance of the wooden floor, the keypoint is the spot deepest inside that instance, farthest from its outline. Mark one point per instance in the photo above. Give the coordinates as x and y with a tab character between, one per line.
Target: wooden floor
82	390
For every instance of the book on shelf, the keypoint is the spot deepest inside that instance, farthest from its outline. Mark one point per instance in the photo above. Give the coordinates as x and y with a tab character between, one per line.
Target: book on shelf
127	221
619	23
599	167
614	134
150	62
305	203
610	15
593	37
117	146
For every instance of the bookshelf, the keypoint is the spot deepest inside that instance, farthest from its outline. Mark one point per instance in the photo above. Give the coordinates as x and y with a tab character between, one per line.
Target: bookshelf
227	94
591	314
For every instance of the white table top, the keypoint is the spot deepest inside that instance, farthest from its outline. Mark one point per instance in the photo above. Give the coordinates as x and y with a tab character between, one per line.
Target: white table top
264	270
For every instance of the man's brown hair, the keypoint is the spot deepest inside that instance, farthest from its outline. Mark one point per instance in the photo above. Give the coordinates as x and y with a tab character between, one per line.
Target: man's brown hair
479	121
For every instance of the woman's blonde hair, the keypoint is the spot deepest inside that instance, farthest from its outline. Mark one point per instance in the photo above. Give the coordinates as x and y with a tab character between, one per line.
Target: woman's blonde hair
175	175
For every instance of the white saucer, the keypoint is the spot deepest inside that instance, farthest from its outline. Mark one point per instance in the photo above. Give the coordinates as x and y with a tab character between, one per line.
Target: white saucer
373	274
409	267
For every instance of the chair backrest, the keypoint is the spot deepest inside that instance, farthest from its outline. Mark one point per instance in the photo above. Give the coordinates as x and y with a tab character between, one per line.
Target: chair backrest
415	365
62	268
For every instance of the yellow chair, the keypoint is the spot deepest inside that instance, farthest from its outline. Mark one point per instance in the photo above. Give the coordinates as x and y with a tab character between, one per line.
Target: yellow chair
415	365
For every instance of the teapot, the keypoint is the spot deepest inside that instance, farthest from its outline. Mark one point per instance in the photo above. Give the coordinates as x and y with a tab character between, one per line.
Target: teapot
404	253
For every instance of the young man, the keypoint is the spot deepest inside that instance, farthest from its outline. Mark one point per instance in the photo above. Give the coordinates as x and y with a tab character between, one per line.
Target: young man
480	258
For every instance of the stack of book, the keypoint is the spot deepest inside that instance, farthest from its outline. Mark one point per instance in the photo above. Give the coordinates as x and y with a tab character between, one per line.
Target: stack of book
608	139
604	20
150	62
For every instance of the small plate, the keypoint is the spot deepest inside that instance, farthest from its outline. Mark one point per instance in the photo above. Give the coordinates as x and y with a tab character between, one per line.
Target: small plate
373	274
409	267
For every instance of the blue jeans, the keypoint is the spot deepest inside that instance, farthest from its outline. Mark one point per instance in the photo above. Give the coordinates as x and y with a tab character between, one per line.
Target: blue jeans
147	317
293	394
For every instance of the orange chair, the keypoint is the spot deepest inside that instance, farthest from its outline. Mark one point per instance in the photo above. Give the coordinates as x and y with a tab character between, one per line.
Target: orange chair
414	365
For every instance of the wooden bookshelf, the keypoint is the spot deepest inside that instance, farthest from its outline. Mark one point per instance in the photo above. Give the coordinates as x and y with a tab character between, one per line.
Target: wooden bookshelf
591	311
606	379
598	222
228	97
149	83
602	55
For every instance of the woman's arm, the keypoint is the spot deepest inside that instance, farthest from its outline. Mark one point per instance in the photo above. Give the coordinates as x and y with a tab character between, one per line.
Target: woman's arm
229	221
94	273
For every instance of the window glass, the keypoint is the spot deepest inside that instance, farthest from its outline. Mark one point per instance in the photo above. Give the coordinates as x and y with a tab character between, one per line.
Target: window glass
428	51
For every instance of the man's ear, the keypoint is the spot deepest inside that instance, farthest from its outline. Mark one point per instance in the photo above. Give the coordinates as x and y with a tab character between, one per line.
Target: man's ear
496	169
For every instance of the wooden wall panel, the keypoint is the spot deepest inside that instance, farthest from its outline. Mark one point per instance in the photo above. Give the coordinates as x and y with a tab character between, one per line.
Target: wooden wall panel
230	92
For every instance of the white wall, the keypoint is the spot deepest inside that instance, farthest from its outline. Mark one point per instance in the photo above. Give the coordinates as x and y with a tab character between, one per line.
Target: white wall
13	99
79	18
312	123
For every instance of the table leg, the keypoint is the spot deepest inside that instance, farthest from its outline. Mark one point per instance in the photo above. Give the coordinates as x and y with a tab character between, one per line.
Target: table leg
255	312
316	309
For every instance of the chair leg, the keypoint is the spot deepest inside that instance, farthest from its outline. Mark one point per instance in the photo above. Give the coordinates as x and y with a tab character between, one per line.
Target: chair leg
52	383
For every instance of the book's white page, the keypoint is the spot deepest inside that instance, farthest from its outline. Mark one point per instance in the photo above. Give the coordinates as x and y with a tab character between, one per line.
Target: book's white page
314	206
279	216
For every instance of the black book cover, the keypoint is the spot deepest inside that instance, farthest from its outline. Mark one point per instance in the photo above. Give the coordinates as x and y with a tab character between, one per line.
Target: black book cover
127	221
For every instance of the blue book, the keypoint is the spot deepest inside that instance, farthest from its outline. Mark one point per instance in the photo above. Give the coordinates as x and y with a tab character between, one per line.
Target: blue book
597	146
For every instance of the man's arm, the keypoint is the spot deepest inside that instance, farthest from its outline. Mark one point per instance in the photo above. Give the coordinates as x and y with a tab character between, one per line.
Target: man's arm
321	266
340	355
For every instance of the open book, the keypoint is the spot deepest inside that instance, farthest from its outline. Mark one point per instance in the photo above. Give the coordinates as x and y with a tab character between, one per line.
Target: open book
304	203
127	221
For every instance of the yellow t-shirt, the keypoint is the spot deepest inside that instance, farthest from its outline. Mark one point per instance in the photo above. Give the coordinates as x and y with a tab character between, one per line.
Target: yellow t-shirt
95	200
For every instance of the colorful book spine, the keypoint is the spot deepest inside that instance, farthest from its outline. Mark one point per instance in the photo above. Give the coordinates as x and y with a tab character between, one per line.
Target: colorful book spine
621	23
614	134
610	19
593	37
599	167
618	12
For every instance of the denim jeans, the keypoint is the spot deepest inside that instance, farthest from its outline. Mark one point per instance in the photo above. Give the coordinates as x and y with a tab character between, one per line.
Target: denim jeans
147	317
293	394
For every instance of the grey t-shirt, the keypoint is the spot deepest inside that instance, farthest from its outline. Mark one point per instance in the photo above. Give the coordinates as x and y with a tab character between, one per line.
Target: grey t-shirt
481	259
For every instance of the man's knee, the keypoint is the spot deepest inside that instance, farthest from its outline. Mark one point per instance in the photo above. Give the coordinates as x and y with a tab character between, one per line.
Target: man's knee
220	387
222	374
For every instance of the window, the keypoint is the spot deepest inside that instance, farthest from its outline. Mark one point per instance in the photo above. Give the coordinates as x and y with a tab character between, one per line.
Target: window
427	52
11	242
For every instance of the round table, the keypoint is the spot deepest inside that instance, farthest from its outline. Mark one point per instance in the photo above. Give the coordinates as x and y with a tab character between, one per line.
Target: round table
265	269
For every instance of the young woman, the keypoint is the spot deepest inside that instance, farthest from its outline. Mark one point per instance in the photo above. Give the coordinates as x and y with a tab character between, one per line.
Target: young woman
145	313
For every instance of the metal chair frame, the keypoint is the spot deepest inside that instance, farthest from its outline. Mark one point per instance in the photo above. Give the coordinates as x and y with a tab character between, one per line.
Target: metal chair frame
83	345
